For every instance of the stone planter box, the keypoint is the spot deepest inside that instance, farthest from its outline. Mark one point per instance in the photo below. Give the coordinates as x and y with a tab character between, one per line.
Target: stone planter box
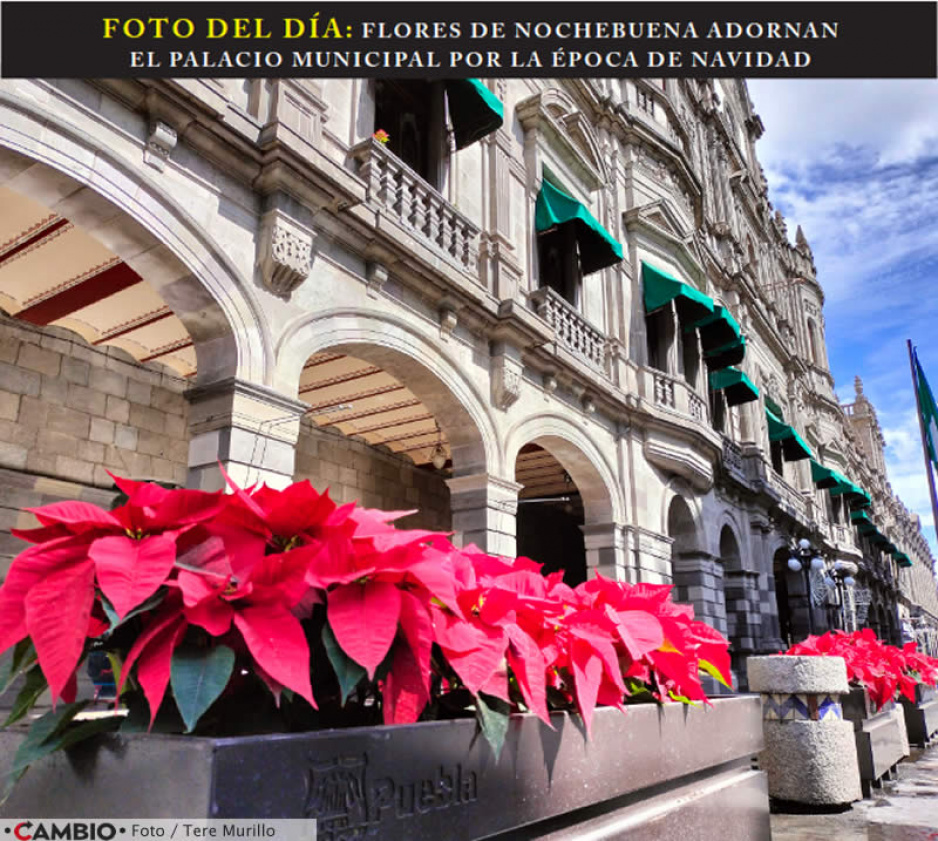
881	738
810	751
921	718
651	773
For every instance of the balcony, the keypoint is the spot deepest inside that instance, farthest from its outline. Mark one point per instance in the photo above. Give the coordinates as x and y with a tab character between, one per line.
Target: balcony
412	203
792	501
674	393
571	330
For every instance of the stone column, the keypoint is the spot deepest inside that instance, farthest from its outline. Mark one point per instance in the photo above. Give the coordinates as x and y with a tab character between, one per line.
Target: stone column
605	550
484	509
810	754
249	429
699	581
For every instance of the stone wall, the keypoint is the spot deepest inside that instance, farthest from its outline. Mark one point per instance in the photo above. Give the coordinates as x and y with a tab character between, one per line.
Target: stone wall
69	412
354	470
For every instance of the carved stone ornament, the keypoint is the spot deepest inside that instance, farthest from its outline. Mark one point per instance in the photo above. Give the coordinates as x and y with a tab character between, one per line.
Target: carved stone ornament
285	253
506	381
160	143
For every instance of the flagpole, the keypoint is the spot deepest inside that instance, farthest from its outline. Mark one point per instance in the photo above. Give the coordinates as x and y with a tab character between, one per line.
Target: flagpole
921	427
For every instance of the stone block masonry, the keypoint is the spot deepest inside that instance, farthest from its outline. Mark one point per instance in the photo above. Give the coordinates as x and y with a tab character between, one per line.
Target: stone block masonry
69	412
354	470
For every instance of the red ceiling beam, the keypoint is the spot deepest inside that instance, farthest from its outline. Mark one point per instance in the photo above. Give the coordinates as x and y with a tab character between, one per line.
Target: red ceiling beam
29	242
83	294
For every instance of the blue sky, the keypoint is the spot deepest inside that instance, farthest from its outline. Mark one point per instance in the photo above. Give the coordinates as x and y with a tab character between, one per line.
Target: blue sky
855	163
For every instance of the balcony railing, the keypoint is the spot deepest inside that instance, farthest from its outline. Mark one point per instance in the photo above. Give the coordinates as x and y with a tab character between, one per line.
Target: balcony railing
792	500
571	330
415	205
675	393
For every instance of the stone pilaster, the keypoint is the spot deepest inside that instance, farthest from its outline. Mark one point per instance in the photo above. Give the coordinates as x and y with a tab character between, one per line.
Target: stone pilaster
248	429
605	550
484	508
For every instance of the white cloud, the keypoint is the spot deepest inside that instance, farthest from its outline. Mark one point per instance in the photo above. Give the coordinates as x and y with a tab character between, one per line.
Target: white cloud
855	163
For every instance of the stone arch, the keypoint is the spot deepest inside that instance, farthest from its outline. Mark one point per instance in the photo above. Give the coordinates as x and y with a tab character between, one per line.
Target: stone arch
682	527
429	371
580	456
730	555
54	162
678	489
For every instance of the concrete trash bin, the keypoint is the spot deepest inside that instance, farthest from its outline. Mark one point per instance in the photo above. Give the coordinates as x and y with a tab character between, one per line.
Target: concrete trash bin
810	752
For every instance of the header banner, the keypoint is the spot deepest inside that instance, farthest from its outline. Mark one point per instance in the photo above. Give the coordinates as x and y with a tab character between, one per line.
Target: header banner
433	40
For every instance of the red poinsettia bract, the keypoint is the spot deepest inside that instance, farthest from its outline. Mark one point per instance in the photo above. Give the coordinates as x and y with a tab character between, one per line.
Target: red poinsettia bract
882	669
405	616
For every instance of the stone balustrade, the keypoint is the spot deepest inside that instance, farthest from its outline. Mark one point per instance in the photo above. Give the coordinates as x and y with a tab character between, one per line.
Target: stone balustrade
571	329
411	202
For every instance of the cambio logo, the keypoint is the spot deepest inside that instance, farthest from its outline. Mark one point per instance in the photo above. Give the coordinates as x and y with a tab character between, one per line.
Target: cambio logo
64	831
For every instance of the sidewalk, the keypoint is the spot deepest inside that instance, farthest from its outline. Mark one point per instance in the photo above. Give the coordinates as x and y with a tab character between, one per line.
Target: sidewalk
904	810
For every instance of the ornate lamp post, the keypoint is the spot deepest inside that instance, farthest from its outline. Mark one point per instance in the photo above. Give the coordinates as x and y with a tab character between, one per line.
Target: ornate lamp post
804	558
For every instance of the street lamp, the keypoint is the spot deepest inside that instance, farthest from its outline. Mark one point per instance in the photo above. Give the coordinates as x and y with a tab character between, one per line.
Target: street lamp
841	577
805	559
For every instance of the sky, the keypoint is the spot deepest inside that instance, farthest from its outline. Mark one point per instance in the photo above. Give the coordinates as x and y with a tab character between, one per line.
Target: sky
855	163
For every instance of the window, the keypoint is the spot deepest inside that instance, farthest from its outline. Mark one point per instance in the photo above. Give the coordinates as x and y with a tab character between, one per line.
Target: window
559	262
690	356
659	327
411	111
718	410
571	242
778	464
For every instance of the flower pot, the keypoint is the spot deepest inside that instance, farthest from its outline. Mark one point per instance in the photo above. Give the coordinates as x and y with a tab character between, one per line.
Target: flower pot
921	718
880	735
810	752
655	771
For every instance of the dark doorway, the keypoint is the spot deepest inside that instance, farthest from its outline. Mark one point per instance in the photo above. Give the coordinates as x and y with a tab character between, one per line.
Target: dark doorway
550	515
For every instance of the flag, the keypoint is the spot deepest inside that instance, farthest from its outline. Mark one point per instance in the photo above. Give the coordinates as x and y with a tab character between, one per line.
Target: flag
928	409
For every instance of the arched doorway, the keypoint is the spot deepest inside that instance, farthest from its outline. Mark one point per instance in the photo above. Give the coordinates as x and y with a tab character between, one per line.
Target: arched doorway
740	628
384	430
698	576
567	472
550	515
781	575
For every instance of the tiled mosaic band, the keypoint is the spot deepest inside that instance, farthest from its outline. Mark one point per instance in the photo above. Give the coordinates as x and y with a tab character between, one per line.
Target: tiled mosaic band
800	707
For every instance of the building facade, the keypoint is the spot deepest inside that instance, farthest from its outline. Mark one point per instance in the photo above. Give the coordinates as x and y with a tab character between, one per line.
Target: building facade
559	318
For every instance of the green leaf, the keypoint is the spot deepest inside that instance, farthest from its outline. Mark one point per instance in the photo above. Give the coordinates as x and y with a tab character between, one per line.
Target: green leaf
708	668
198	676
117	665
24	656
41	740
492	715
143	607
35	685
346	669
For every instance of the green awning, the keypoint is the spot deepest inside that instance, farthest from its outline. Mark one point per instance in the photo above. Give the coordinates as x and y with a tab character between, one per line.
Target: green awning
661	289
879	539
718	329
862	521
731	353
735	385
823	477
855	495
858	498
774	408
794	447
890	548
902	559
597	247
474	110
